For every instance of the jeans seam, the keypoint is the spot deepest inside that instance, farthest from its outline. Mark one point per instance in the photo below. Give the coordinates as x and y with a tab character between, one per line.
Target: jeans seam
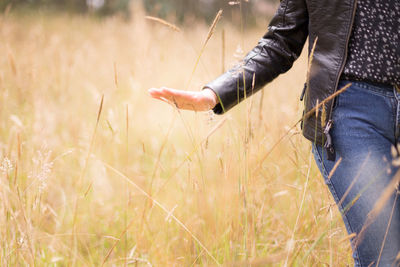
397	114
335	196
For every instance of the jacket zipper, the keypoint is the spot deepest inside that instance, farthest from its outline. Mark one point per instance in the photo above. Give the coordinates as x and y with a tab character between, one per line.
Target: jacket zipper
331	155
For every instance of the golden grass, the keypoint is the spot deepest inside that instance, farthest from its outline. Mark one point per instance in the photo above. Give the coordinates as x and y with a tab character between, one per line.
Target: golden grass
177	190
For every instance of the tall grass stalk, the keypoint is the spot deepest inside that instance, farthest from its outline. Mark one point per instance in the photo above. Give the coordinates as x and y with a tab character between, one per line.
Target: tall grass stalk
127	193
223	48
80	180
209	35
291	242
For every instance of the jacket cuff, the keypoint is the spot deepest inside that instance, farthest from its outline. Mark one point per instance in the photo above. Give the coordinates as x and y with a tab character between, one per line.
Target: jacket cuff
226	89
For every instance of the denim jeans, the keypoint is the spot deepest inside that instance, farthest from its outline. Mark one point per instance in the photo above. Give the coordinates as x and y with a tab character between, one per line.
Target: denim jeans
366	129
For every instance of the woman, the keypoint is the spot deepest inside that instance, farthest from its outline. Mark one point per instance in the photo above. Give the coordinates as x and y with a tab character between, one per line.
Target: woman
357	47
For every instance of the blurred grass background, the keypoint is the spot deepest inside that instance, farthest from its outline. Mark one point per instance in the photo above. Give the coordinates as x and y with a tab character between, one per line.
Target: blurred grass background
249	202
180	10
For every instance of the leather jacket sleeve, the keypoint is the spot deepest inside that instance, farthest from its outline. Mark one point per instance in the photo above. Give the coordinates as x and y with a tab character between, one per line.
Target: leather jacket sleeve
273	55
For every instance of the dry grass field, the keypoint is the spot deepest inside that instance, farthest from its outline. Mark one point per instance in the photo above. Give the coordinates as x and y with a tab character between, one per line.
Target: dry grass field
129	180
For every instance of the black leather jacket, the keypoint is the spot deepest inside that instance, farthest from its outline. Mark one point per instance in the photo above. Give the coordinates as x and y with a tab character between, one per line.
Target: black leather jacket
295	20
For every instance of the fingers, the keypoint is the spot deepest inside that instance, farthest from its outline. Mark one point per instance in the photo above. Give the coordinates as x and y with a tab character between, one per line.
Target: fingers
160	92
169	92
163	94
155	92
181	99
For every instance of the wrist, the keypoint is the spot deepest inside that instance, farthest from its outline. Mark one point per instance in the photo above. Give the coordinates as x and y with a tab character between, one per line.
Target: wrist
211	97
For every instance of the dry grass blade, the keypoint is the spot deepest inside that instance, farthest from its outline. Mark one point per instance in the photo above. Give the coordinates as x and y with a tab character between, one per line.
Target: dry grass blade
291	240
348	237
172	216
334	168
379	205
317	110
100	110
329	98
198	256
310	60
397	258
115	75
165	23
387	229
354	181
11	60
126	184
91	144
216	127
223	51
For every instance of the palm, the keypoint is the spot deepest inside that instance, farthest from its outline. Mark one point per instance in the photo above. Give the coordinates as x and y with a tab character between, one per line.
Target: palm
198	101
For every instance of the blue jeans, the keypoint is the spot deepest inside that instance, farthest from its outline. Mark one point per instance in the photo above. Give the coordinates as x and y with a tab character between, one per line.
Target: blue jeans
366	129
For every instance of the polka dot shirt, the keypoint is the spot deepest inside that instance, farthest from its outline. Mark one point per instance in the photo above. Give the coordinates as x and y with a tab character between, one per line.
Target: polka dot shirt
374	47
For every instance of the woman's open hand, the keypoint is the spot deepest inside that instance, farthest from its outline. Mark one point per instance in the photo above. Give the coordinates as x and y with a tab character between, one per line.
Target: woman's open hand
198	101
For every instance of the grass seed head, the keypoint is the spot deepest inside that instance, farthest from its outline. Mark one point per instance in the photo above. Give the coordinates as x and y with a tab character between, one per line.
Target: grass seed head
165	23
213	26
323	116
